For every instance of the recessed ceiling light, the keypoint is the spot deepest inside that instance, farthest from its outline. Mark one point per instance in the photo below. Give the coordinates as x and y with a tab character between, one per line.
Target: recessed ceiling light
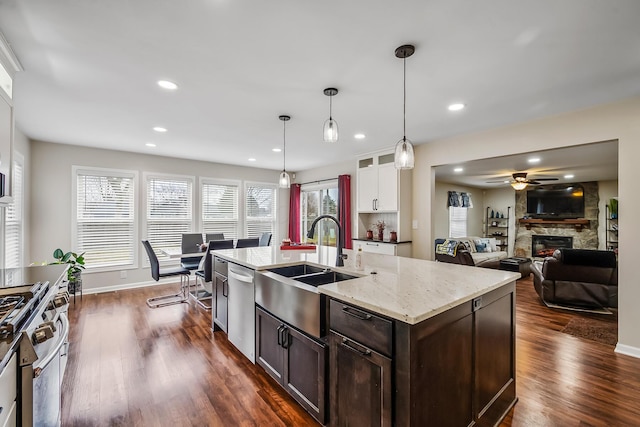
160	129
359	136
568	176
456	107
150	144
252	159
276	150
534	160
166	84
458	169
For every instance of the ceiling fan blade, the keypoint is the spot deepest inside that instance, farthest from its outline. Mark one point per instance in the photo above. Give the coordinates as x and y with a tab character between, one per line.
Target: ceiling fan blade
502	181
546	179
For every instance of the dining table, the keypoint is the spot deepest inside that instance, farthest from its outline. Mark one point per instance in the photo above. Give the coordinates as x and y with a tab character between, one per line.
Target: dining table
176	252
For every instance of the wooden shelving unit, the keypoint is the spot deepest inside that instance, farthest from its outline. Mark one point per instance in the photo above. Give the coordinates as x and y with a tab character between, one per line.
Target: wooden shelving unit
498	227
612	231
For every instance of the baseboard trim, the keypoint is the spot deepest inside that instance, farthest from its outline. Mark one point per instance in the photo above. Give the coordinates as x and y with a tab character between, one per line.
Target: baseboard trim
123	287
628	350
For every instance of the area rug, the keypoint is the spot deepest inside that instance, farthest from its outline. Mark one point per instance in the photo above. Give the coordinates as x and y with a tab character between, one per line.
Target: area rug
605	332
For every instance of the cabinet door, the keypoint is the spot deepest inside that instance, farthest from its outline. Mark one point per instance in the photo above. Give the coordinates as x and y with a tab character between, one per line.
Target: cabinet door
367	188
220	290
269	350
379	248
387	188
360	384
304	373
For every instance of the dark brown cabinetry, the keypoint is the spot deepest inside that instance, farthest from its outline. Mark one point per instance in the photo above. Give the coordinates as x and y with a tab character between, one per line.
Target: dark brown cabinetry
295	360
220	294
456	368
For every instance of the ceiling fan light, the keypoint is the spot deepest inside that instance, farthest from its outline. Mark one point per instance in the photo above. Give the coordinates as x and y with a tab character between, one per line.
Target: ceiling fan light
285	180
404	157
519	185
330	131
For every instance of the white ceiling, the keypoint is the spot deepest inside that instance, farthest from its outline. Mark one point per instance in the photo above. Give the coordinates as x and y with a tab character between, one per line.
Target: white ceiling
91	69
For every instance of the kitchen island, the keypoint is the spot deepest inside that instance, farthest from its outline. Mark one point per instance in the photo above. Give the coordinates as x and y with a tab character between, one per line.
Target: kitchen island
411	342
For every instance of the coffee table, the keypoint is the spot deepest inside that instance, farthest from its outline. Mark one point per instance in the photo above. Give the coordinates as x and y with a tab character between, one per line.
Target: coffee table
520	265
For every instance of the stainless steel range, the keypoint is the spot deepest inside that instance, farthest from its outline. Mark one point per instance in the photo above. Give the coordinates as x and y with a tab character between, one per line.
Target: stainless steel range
33	344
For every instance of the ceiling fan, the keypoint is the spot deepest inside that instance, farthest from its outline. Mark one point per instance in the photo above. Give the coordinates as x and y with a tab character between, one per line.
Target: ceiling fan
520	180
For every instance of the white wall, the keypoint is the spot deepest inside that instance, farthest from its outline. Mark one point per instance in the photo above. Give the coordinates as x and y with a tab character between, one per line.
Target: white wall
619	121
51	188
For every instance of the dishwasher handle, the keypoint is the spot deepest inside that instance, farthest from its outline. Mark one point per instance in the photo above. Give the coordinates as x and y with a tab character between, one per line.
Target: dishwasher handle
241	277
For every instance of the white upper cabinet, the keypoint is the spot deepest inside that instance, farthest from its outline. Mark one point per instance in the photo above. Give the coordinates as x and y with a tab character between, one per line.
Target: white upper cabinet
377	184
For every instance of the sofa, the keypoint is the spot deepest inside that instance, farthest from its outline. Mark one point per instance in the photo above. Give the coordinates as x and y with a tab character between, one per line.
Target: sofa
474	251
577	277
483	251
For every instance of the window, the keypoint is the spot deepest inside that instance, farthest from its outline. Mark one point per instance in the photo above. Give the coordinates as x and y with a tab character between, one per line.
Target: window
260	209
220	208
14	220
169	211
457	222
315	201
104	217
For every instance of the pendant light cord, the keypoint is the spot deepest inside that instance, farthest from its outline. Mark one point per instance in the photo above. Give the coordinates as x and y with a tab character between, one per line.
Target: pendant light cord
404	99
284	145
330	106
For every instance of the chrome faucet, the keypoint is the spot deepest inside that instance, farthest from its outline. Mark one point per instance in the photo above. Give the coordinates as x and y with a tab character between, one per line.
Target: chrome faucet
340	244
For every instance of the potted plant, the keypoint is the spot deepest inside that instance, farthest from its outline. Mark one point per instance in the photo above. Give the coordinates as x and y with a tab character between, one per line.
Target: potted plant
76	265
613	208
380	225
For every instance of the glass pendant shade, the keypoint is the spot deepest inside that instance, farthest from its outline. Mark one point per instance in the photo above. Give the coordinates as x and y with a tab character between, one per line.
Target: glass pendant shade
330	130
285	180
404	157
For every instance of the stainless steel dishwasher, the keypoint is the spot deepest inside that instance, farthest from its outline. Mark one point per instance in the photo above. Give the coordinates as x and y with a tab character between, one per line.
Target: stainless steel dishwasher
242	310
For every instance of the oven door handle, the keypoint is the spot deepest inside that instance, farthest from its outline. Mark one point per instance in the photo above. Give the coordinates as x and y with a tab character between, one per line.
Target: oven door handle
41	365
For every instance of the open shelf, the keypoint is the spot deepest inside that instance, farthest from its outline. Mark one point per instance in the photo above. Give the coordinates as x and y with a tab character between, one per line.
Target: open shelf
578	223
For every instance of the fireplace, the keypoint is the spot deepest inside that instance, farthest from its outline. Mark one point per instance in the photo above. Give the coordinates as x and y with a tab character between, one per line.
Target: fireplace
544	246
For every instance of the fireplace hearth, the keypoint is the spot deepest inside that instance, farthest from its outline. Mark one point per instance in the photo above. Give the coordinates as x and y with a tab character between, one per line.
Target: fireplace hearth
544	246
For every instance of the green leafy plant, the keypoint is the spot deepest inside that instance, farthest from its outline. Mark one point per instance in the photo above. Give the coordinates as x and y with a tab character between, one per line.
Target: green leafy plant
613	208
75	261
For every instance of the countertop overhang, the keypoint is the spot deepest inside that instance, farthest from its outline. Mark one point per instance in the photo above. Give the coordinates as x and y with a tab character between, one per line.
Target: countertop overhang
405	289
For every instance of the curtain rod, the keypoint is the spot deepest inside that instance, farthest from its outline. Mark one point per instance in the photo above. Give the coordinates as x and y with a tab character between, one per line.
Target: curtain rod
319	181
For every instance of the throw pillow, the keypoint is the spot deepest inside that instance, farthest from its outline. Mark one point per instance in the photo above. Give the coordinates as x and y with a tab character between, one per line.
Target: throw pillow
481	247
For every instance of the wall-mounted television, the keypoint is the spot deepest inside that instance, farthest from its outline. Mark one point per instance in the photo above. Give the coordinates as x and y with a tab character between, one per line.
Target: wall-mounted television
556	201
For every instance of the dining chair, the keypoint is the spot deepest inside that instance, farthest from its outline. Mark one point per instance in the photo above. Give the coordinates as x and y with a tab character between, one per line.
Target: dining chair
248	243
157	273
221	244
191	243
204	292
265	239
214	236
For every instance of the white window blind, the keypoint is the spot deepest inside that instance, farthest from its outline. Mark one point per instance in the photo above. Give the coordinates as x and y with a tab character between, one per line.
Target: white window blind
169	211
260	209
13	226
105	218
220	209
457	222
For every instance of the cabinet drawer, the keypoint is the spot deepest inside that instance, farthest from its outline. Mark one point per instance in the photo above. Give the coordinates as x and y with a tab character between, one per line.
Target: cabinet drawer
360	325
221	266
8	383
379	248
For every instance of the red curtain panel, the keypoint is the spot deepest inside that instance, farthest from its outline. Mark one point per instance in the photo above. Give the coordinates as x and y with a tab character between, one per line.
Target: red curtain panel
344	208
294	213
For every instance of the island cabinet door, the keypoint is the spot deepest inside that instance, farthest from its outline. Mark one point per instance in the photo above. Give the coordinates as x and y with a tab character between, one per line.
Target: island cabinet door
360	384
304	374
269	350
221	290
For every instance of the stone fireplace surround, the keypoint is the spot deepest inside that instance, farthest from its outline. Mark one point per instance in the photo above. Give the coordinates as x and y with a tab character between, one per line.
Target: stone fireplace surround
585	239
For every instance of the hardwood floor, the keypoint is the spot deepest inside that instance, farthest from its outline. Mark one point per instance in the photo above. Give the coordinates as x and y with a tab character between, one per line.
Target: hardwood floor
131	365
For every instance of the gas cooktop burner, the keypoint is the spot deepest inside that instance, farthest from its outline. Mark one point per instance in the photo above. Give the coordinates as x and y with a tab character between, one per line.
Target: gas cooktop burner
8	306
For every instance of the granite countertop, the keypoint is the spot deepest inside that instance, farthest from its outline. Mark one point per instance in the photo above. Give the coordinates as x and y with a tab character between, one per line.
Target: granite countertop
406	289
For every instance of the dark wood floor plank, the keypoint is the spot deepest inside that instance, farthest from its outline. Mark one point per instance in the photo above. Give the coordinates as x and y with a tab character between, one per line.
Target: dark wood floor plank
131	365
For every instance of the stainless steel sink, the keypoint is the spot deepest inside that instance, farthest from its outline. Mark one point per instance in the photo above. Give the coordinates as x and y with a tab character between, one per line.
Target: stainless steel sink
323	278
291	294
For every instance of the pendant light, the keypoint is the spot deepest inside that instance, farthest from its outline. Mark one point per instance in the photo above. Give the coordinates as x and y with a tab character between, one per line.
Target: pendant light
404	157
330	130
285	180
